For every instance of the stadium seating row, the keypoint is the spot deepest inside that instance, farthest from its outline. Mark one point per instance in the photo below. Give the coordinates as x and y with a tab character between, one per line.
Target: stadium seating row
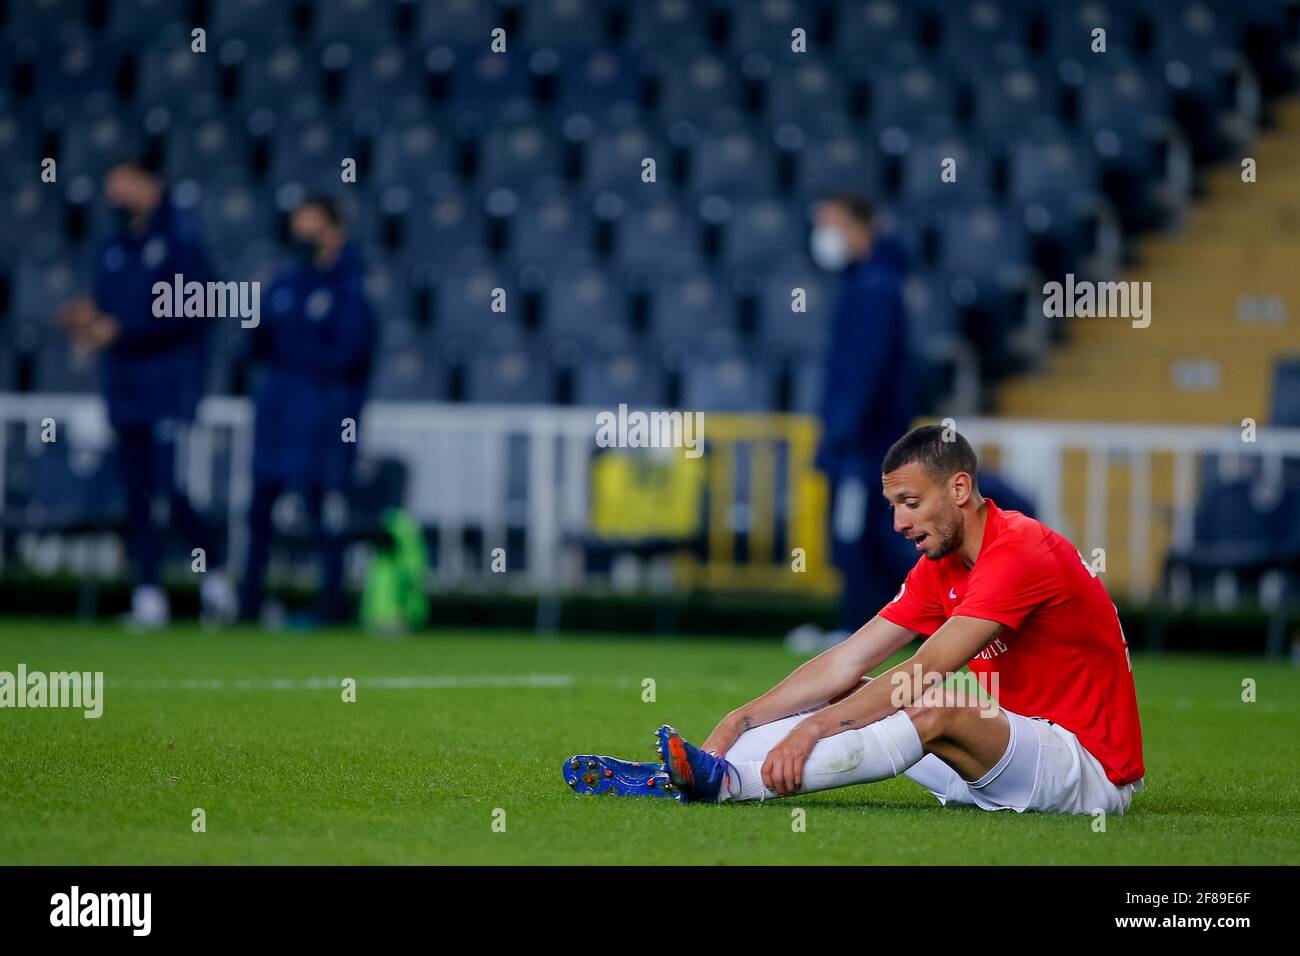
522	171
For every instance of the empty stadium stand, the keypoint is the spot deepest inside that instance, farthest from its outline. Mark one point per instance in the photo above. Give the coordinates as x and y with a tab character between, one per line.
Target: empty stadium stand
522	170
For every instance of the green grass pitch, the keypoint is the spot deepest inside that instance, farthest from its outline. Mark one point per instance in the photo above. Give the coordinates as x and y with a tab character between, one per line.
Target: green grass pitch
450	727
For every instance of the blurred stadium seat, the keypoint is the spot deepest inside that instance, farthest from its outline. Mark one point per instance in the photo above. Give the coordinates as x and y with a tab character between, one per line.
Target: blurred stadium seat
523	172
744	131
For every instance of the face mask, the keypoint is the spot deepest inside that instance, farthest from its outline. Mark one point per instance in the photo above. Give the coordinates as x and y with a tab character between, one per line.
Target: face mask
830	250
123	217
305	251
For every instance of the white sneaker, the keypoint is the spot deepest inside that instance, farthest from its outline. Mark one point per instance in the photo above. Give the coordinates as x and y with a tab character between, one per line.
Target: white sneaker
804	639
831	638
149	610
811	639
220	603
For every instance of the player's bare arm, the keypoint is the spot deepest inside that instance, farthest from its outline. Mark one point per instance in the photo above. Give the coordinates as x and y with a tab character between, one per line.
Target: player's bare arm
951	646
825	677
999	593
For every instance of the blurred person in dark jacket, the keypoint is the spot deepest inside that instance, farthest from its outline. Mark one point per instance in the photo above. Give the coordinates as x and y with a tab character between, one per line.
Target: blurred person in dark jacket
152	376
866	405
314	347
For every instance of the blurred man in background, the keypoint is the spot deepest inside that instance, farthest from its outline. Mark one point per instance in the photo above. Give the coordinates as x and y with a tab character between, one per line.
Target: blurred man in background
152	377
866	404
315	344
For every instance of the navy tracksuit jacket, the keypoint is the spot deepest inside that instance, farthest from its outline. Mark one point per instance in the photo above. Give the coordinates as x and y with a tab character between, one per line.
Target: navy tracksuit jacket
152	375
866	407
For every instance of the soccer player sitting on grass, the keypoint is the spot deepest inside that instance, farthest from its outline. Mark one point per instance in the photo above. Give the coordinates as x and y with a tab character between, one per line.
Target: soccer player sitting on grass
994	590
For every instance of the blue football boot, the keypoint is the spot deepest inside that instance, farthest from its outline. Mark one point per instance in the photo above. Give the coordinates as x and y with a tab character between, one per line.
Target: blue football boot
592	774
697	773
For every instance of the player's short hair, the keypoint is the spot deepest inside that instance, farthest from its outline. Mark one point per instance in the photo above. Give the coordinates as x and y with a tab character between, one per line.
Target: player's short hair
941	457
858	207
327	205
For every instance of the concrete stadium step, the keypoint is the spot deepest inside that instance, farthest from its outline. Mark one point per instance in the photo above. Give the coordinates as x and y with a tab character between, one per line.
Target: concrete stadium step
1224	306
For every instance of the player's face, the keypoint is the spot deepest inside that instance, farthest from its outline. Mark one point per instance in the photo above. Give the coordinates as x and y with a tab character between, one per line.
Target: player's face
127	188
856	237
924	510
309	224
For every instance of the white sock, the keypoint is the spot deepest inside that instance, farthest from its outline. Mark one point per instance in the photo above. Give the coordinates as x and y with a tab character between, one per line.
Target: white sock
149	607
875	752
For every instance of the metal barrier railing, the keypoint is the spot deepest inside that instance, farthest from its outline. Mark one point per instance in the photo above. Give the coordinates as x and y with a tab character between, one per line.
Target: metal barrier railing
1128	489
777	495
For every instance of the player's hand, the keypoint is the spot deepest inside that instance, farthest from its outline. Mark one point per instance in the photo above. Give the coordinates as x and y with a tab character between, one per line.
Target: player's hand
76	314
783	768
88	328
101	333
724	735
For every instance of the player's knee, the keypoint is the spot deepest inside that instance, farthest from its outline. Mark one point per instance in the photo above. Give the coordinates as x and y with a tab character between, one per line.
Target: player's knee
930	722
935	720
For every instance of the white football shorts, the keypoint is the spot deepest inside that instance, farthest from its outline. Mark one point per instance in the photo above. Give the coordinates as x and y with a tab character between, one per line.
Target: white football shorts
1045	768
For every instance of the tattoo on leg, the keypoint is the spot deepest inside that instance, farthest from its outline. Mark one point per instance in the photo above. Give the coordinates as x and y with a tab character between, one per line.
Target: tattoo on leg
847	723
747	721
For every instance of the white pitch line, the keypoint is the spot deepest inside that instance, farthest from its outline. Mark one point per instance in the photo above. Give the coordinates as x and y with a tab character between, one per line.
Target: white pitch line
436	682
429	682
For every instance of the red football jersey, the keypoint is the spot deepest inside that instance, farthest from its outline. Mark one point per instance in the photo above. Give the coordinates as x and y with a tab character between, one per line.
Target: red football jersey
1062	654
